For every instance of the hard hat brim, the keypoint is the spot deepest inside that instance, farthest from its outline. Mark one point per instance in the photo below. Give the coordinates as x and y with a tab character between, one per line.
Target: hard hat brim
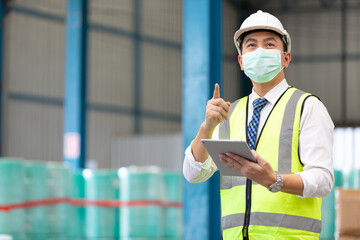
240	32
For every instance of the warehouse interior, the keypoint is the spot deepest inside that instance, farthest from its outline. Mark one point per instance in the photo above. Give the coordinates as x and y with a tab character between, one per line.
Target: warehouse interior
100	99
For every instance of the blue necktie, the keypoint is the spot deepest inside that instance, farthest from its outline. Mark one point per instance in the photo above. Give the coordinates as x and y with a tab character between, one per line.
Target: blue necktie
254	123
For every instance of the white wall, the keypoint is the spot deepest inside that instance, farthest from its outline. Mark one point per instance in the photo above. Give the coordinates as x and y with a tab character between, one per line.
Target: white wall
33	68
113	67
163	150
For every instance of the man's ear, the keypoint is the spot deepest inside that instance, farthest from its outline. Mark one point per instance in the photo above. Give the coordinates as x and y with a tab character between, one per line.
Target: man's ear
287	59
240	62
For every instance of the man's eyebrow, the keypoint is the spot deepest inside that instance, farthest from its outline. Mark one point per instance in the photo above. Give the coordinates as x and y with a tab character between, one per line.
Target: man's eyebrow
269	39
251	40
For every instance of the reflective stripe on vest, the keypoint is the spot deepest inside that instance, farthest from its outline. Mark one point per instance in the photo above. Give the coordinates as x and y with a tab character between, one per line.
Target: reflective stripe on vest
271	219
274	214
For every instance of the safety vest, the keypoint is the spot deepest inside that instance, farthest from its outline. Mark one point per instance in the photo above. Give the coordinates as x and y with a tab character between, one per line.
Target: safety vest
273	215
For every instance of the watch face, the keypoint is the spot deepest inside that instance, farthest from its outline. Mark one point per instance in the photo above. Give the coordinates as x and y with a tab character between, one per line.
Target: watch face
275	188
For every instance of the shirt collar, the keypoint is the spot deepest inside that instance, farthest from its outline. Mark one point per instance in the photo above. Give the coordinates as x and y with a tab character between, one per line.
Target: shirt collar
273	95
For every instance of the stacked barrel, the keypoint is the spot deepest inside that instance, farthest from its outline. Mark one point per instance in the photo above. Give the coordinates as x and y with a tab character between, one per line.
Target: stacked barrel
35	190
57	214
328	210
47	201
102	221
144	187
76	229
11	194
173	214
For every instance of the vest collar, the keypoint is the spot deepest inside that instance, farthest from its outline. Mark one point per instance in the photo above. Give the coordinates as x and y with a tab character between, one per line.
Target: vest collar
247	109
273	95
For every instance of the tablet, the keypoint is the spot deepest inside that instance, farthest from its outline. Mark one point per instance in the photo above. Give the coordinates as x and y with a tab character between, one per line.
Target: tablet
216	147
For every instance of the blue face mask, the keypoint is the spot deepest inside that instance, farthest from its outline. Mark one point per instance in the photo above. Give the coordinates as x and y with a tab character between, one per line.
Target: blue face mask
262	65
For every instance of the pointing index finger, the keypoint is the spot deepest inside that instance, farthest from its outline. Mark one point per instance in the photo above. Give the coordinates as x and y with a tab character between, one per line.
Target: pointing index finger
216	91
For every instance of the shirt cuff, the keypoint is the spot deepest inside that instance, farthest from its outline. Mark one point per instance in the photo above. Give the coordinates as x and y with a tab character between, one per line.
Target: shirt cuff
197	165
310	186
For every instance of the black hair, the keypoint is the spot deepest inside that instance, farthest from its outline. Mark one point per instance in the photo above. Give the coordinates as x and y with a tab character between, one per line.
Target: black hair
242	37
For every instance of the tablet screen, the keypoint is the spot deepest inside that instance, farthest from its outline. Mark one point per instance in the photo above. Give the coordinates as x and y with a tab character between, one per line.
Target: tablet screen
216	147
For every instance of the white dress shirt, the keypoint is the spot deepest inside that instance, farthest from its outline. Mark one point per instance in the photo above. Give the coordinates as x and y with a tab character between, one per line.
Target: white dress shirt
315	145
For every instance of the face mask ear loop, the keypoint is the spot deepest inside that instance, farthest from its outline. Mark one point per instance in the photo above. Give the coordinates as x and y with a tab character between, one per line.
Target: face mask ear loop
282	66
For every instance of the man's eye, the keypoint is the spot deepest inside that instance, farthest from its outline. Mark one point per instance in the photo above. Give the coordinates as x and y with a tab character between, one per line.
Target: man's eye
250	45
270	45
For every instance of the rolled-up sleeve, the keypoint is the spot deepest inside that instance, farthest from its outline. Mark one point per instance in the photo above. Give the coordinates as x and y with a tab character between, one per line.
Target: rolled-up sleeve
316	149
196	172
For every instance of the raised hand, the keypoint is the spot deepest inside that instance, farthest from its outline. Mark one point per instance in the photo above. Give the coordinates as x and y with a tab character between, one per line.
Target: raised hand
217	110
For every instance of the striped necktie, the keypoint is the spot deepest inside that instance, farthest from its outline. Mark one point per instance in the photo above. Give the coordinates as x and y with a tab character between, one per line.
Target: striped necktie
254	123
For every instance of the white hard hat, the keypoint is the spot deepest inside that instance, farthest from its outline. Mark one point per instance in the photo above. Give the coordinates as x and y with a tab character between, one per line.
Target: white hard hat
262	21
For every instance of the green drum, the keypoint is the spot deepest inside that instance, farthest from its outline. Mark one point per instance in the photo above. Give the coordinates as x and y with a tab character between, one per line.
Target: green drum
173	214
77	213
102	222
11	192
354	179
351	179
328	210
57	187
141	186
35	217
328	217
338	178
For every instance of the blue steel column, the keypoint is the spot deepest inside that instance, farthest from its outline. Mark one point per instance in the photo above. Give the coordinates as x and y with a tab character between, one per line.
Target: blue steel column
75	84
2	8
202	54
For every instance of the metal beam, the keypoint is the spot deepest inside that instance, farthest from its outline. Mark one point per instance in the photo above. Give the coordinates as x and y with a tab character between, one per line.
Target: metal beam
75	84
93	106
202	64
245	82
293	7
99	27
137	67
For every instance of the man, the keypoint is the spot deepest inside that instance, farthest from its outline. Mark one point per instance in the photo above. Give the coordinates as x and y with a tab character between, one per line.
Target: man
291	133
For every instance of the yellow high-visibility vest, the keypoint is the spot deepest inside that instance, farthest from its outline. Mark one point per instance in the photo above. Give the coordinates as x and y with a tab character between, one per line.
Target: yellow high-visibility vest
273	215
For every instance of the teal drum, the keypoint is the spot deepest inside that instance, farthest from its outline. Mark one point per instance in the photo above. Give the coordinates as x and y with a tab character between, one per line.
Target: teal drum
76	228
328	210
35	190
102	215
143	193
12	192
173	211
338	178
354	179
57	189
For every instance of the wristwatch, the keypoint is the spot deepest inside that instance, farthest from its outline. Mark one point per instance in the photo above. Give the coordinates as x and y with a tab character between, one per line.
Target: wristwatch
278	185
